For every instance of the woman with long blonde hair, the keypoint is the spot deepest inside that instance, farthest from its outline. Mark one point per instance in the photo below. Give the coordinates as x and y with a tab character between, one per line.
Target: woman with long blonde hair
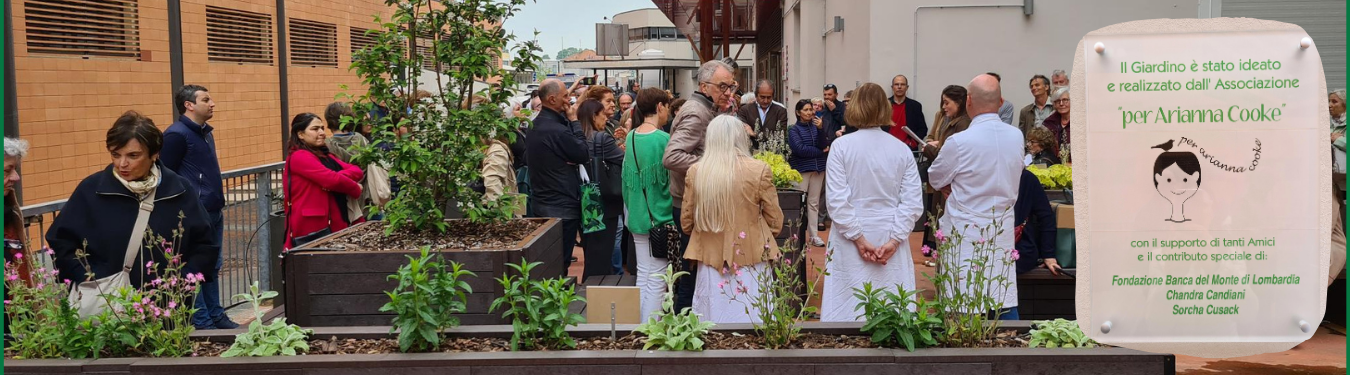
731	212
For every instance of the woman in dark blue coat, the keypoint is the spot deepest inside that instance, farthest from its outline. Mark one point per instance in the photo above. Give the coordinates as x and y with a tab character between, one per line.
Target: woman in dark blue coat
99	216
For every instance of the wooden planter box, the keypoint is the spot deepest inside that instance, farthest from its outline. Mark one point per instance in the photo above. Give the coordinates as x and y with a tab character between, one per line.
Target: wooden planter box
793	204
1044	296
326	288
1101	361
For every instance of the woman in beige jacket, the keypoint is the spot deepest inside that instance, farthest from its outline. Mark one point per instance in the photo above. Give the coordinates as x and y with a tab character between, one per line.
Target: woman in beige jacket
731	211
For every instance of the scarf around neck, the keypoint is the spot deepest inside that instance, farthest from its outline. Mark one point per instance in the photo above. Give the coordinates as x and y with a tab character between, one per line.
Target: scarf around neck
143	186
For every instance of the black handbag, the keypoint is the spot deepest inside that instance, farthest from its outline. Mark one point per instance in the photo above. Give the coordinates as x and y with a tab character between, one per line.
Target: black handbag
608	177
664	238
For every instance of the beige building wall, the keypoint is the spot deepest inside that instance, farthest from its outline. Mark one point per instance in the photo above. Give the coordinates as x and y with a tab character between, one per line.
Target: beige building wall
954	44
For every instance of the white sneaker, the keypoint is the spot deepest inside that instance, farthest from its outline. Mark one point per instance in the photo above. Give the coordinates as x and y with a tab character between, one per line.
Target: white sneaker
817	242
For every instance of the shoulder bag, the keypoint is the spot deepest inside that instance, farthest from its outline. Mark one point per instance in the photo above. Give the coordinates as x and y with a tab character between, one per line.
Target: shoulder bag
610	178
664	237
87	297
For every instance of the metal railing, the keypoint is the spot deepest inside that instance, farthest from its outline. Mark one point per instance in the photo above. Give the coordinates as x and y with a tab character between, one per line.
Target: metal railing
251	196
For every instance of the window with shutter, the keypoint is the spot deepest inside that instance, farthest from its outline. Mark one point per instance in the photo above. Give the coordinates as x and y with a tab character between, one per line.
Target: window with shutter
236	36
360	40
313	43
103	28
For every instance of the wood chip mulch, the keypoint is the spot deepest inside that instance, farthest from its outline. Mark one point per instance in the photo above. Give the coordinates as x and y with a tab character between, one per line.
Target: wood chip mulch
461	235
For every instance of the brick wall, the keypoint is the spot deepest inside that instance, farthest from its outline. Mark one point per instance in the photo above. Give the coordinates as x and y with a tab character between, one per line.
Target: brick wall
313	88
67	103
247	122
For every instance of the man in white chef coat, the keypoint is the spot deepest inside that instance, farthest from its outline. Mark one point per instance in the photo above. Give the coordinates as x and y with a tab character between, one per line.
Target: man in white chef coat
980	170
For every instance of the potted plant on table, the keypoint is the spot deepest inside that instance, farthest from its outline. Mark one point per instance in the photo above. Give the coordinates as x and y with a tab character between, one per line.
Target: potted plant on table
435	96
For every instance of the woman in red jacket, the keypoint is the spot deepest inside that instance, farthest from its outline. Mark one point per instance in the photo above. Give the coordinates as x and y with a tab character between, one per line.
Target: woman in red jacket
317	184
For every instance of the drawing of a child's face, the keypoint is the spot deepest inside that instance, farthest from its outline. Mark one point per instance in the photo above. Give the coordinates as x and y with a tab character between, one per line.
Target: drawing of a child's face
1176	185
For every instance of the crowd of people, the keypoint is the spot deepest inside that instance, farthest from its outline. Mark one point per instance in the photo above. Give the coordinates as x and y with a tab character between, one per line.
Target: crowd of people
675	170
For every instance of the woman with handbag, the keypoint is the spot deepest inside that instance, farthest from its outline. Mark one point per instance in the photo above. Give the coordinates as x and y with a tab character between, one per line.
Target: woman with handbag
316	183
110	211
605	170
646	194
731	213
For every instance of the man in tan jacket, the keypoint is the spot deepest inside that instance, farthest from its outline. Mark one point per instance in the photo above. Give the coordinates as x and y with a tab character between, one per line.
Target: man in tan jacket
716	85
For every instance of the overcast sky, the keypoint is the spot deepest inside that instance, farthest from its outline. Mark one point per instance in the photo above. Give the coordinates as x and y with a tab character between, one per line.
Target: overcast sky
567	23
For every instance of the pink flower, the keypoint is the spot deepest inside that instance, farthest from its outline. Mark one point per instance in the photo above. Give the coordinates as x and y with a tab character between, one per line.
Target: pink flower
742	235
938	234
150	264
173	304
41	285
168	250
49	251
1015	255
738	250
742	290
722	284
927	250
725	270
788	261
11	277
18	255
7	302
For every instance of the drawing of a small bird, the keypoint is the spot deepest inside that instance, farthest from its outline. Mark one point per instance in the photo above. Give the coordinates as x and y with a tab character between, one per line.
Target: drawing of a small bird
1165	146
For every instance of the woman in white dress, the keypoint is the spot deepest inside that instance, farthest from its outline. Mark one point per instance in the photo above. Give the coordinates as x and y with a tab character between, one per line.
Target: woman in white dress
731	213
874	196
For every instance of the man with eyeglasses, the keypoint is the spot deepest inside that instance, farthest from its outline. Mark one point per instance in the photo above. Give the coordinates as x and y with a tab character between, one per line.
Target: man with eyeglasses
906	113
763	116
716	85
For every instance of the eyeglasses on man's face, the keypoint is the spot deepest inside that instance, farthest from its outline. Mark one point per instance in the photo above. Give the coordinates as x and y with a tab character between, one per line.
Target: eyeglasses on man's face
725	87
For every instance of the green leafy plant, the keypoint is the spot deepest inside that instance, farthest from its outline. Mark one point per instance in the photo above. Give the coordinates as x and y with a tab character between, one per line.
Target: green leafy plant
783	175
538	309
426	299
970	286
1059	333
781	301
435	144
898	318
1058	176
670	330
266	340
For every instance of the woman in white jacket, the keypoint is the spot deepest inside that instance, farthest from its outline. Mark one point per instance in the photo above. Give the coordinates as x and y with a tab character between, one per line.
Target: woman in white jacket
874	196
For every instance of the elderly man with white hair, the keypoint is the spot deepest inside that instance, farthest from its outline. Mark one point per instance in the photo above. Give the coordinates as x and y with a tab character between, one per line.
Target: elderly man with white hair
16	240
980	170
1059	78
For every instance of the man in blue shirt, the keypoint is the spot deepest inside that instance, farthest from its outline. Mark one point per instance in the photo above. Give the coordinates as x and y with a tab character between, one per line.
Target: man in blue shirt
190	150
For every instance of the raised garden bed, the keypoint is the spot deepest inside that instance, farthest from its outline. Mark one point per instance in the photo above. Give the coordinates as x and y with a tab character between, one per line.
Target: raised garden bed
1001	361
1043	296
327	287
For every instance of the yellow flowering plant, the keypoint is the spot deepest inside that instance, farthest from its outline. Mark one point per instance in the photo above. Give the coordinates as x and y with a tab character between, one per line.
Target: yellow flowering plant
783	174
1058	176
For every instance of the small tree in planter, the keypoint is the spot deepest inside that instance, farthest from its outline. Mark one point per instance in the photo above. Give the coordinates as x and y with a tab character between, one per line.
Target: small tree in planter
435	146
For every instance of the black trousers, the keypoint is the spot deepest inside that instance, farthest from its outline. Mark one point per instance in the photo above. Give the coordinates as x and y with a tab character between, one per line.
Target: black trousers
684	287
571	227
